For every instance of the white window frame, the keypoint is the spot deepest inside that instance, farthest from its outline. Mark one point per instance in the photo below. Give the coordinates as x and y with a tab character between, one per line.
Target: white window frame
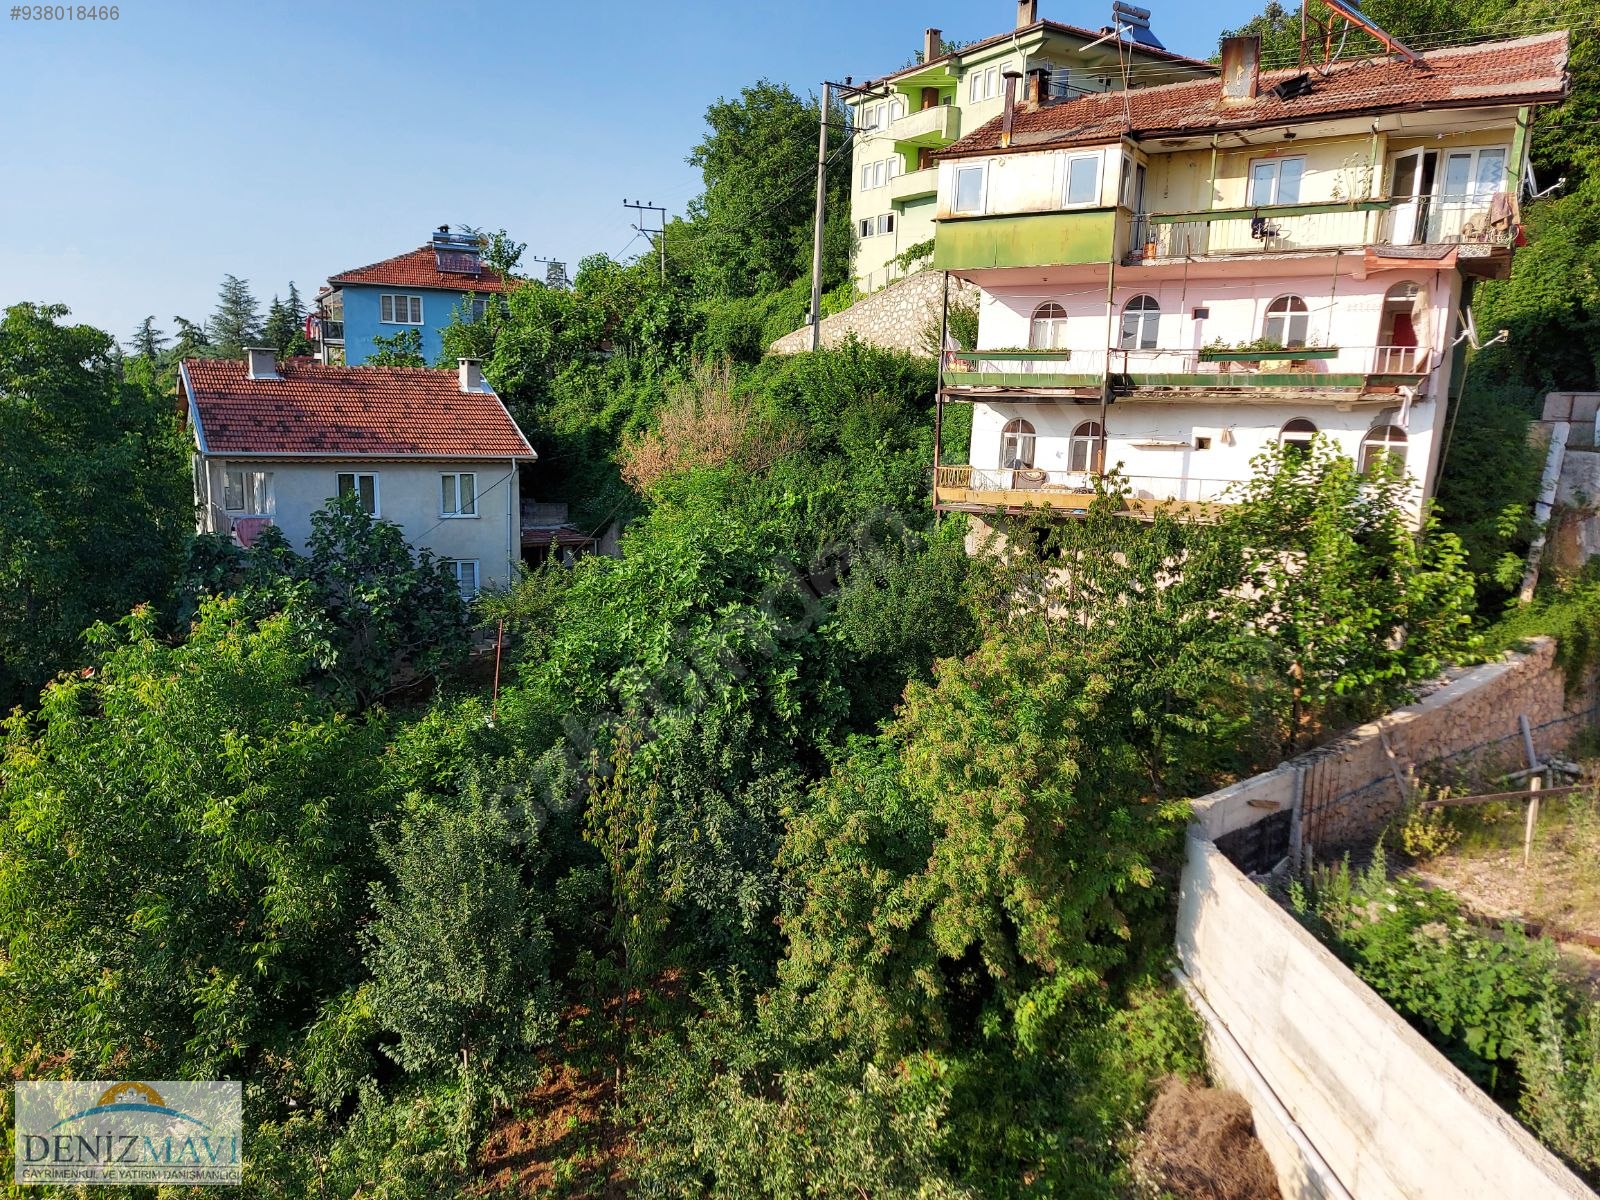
390	301
886	223
1019	443
1047	328
262	490
1474	155
355	478
1088	437
1149	318
866	227
1388	440
1066	182
451	508
1276	163
983	188
480	308
1288	318
455	565
1297	441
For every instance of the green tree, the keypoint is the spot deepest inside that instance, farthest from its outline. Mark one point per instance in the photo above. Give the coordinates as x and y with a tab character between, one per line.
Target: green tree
385	612
236	323
278	330
95	498
148	342
403	349
193	340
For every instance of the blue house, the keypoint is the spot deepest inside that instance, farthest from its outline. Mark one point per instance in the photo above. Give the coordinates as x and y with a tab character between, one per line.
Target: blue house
416	290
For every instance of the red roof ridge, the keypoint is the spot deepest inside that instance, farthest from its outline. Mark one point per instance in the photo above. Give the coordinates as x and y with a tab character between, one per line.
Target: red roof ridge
419	268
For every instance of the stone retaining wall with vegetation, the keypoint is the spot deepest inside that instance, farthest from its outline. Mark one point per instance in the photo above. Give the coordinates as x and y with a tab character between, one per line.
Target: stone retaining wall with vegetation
896	318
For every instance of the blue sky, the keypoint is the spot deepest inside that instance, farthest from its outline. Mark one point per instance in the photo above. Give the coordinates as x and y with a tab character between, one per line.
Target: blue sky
145	157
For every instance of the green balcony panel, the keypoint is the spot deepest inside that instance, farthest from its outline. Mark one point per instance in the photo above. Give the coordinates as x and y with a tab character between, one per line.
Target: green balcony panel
1027	240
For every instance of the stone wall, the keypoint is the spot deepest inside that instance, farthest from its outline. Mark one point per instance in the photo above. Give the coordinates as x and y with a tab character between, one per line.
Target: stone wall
1348	1099
896	318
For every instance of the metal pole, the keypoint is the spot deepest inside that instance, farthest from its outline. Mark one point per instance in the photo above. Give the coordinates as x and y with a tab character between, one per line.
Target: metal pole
938	391
816	233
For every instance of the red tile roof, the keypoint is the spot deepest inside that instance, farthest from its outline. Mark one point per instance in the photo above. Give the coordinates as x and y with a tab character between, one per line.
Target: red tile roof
1528	70
419	269
362	411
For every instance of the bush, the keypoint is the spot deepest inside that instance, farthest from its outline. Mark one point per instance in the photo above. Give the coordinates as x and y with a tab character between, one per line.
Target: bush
1561	1086
1199	1143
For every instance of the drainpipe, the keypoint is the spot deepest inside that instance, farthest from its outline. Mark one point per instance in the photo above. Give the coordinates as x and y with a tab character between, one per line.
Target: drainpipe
1105	377
511	507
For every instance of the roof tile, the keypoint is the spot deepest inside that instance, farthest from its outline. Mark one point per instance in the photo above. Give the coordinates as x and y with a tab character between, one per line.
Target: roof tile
1526	70
348	411
418	268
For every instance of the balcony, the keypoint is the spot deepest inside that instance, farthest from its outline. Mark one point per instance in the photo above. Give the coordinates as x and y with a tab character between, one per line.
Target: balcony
936	126
1043	239
991	489
914	185
332	331
1308	373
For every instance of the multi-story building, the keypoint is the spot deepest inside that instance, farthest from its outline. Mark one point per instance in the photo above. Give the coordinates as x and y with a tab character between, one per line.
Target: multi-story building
1177	277
416	290
904	118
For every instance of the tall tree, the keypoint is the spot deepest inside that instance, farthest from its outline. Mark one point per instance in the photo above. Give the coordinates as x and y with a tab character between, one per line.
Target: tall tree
279	330
148	342
236	323
193	340
95	500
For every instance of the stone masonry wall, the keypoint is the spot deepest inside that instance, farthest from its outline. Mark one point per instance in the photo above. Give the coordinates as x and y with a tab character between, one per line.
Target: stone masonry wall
896	318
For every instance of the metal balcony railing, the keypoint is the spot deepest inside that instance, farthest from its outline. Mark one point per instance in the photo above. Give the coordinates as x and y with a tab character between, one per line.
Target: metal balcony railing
332	331
1316	366
1029	485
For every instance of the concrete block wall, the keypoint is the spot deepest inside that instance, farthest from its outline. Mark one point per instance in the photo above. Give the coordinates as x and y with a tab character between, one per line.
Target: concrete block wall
897	318
1349	1100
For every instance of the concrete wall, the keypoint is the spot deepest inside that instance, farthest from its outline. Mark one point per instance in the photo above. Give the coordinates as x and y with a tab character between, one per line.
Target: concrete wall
408	495
1349	1100
895	318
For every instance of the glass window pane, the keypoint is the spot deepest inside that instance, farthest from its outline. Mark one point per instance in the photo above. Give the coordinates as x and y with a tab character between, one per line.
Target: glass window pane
1130	331
969	189
385	308
1491	171
369	493
447	493
469	494
347	484
1262	175
1457	174
233	491
1289	172
1082	175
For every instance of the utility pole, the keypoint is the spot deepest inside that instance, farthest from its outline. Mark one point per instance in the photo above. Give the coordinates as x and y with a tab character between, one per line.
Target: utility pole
658	236
816	233
555	274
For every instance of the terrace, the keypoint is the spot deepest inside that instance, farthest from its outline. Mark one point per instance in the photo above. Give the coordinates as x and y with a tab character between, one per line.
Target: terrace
989	489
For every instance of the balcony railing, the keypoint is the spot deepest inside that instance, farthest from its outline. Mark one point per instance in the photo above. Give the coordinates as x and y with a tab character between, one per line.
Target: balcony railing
1444	220
936	126
1001	487
1308	367
332	331
914	184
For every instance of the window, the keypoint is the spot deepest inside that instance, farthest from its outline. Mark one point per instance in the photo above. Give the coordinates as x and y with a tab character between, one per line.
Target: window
1383	442
458	495
400	310
1475	172
1086	450
1049	328
1295	438
886	223
364	487
466	572
1276	181
969	189
248	493
1016	445
867	227
480	309
1083	179
1141	320
1286	322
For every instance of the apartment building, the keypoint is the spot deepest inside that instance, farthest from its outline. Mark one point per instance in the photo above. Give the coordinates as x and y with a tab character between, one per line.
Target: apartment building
1175	278
907	116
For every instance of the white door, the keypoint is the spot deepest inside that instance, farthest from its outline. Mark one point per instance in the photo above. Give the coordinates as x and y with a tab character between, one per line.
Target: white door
1411	178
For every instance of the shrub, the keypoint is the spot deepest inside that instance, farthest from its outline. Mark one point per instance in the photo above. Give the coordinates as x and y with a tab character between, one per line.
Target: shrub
1199	1143
1428	833
1561	1086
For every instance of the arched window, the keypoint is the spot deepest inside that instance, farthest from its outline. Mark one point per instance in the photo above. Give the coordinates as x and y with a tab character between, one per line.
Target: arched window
1402	330
1049	328
1287	317
1295	437
1383	441
1016	445
1140	321
1086	450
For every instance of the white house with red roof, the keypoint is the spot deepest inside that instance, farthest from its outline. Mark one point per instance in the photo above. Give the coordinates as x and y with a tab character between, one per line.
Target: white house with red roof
418	290
1175	278
435	452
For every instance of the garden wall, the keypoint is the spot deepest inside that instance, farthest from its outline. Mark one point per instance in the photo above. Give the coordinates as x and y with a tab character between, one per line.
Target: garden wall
896	318
1349	1100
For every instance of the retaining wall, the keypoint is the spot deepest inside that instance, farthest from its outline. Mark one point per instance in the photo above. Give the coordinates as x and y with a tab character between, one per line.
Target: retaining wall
1349	1100
896	318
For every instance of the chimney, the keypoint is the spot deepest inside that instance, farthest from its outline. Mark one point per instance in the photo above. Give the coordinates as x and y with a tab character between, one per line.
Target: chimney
1009	81
1038	85
1241	69
930	44
1027	13
471	374
261	362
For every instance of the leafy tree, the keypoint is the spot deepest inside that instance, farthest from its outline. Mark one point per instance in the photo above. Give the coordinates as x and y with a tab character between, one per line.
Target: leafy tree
384	612
148	342
403	349
236	323
285	328
193	340
277	331
95	499
184	847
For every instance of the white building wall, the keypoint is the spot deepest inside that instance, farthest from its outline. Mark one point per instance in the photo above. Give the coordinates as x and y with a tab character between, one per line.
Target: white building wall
408	495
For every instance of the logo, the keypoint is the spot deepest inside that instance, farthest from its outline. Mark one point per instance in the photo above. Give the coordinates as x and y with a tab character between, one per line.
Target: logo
129	1132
